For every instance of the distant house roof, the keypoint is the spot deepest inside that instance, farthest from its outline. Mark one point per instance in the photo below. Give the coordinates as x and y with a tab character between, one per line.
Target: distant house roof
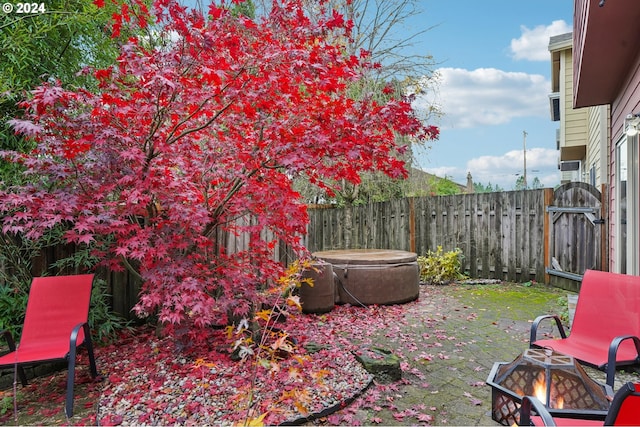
560	41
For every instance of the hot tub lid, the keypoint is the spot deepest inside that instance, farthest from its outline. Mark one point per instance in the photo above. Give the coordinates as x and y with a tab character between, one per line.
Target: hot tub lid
366	256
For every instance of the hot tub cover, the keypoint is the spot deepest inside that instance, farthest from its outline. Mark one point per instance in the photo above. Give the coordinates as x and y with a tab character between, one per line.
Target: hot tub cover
366	256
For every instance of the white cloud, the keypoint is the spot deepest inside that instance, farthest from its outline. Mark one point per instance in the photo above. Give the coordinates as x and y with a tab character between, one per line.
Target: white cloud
487	96
514	160
504	170
450	172
490	96
533	44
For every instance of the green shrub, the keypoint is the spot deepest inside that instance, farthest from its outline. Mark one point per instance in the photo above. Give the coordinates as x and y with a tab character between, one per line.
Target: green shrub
15	278
13	303
439	267
104	323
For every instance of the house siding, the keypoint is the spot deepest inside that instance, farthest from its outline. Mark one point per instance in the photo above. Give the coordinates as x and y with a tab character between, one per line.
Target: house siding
606	62
574	131
627	101
583	132
597	154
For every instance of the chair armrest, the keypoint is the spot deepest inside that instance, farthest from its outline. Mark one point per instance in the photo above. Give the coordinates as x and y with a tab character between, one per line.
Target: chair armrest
9	338
613	352
618	400
538	407
534	327
73	339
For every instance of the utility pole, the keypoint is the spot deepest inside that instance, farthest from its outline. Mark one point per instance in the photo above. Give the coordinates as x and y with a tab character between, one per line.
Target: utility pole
524	152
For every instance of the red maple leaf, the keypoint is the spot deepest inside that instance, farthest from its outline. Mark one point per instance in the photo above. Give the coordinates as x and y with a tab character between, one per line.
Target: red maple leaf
424	418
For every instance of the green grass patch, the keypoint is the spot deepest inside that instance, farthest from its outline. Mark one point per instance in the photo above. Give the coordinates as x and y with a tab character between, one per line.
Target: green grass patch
514	300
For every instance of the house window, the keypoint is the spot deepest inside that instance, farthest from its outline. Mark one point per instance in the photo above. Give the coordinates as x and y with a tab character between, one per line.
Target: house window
627	206
592	175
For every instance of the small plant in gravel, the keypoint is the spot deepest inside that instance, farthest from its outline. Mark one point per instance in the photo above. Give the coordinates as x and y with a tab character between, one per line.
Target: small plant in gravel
7	402
261	340
260	335
563	309
439	267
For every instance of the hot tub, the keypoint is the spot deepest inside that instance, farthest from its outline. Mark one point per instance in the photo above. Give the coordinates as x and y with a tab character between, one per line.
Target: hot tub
373	276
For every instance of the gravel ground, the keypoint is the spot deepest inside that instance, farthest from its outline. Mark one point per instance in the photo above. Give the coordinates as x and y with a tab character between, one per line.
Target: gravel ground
219	395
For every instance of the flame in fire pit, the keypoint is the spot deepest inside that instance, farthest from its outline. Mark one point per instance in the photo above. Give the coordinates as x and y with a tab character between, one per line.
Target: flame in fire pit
540	392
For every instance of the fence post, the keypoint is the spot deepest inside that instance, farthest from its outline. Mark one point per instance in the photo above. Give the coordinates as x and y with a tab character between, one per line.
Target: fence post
412	225
548	200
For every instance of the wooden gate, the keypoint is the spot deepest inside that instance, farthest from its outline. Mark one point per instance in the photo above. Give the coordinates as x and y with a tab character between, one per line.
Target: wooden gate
577	234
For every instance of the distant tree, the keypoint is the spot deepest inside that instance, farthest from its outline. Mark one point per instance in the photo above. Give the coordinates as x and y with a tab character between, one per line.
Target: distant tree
481	188
443	187
378	27
536	184
519	185
244	7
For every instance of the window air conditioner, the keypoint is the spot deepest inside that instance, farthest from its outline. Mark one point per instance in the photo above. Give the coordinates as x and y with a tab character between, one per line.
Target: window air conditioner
571	171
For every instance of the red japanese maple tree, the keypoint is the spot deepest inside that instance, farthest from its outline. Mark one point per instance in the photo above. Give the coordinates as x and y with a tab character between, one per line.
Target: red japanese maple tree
196	138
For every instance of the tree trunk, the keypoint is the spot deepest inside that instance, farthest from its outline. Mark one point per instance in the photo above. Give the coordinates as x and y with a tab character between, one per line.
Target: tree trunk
348	225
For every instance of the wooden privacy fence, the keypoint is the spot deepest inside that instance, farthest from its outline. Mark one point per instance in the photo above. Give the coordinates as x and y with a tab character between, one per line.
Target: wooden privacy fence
124	288
501	235
511	236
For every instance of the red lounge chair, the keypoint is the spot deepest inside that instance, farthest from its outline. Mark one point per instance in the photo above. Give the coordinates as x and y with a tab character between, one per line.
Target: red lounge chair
624	411
55	324
605	332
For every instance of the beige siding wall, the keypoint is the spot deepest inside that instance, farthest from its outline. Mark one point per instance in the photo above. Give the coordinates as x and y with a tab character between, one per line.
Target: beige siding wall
566	94
573	128
597	147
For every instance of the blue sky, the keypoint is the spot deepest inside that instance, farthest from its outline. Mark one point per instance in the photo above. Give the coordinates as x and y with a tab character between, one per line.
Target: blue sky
494	66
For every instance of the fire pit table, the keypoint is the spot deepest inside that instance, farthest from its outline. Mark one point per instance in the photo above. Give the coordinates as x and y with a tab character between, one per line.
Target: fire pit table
373	276
557	380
